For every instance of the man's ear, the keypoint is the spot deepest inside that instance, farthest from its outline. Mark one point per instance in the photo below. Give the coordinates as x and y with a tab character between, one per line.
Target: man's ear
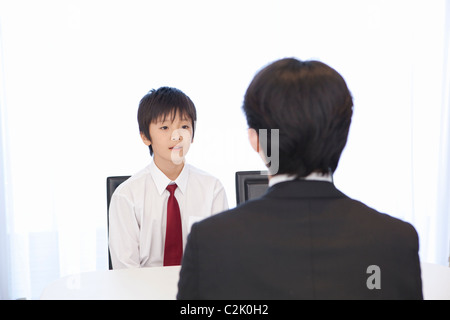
254	139
146	141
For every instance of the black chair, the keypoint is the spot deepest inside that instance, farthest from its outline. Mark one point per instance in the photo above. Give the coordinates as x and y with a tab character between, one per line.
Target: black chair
250	185
111	184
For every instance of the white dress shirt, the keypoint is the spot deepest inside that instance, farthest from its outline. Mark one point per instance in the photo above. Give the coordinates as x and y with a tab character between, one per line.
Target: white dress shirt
313	176
138	212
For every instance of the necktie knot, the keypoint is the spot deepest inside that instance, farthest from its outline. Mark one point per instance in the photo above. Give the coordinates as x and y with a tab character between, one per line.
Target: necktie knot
171	188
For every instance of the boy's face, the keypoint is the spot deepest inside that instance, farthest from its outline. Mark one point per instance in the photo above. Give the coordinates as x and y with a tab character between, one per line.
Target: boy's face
170	141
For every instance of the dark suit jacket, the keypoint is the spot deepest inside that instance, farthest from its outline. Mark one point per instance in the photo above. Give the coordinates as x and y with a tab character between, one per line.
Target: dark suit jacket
301	240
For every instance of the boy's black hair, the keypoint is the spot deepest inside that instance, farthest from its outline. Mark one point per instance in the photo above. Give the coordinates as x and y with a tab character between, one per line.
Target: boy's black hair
161	103
310	104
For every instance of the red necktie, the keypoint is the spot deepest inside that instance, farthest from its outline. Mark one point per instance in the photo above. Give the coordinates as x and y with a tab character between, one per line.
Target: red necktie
173	248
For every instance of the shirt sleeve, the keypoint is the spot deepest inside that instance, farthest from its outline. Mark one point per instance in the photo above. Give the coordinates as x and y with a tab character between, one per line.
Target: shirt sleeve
123	233
220	201
188	281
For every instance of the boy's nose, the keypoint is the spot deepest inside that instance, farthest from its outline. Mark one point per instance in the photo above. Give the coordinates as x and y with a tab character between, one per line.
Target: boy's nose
176	136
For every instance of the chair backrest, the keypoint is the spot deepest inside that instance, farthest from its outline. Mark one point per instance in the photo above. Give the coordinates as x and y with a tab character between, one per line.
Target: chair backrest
250	185
111	184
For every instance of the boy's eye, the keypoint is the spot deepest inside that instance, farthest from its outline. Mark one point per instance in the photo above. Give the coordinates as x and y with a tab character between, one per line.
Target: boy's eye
185	127
164	128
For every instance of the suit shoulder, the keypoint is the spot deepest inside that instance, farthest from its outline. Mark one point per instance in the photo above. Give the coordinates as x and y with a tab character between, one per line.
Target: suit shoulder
389	224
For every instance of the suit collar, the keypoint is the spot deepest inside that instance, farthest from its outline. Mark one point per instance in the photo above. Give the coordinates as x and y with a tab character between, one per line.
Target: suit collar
303	189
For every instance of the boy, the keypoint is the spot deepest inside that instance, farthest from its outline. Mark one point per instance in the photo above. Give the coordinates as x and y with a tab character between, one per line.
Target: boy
151	213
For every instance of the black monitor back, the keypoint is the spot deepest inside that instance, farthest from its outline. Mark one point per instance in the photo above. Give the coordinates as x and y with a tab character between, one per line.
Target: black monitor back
250	185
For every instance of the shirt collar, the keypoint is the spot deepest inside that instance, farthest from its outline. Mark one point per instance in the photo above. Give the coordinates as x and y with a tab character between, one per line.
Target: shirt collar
162	181
313	176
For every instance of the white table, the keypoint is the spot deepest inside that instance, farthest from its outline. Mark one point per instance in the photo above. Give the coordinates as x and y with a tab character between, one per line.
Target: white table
162	284
435	281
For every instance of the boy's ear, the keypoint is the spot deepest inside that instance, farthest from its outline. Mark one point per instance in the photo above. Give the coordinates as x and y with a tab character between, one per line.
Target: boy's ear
146	141
254	139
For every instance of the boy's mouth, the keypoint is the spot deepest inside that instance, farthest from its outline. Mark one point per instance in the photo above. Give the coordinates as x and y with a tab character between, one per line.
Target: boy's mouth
176	148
